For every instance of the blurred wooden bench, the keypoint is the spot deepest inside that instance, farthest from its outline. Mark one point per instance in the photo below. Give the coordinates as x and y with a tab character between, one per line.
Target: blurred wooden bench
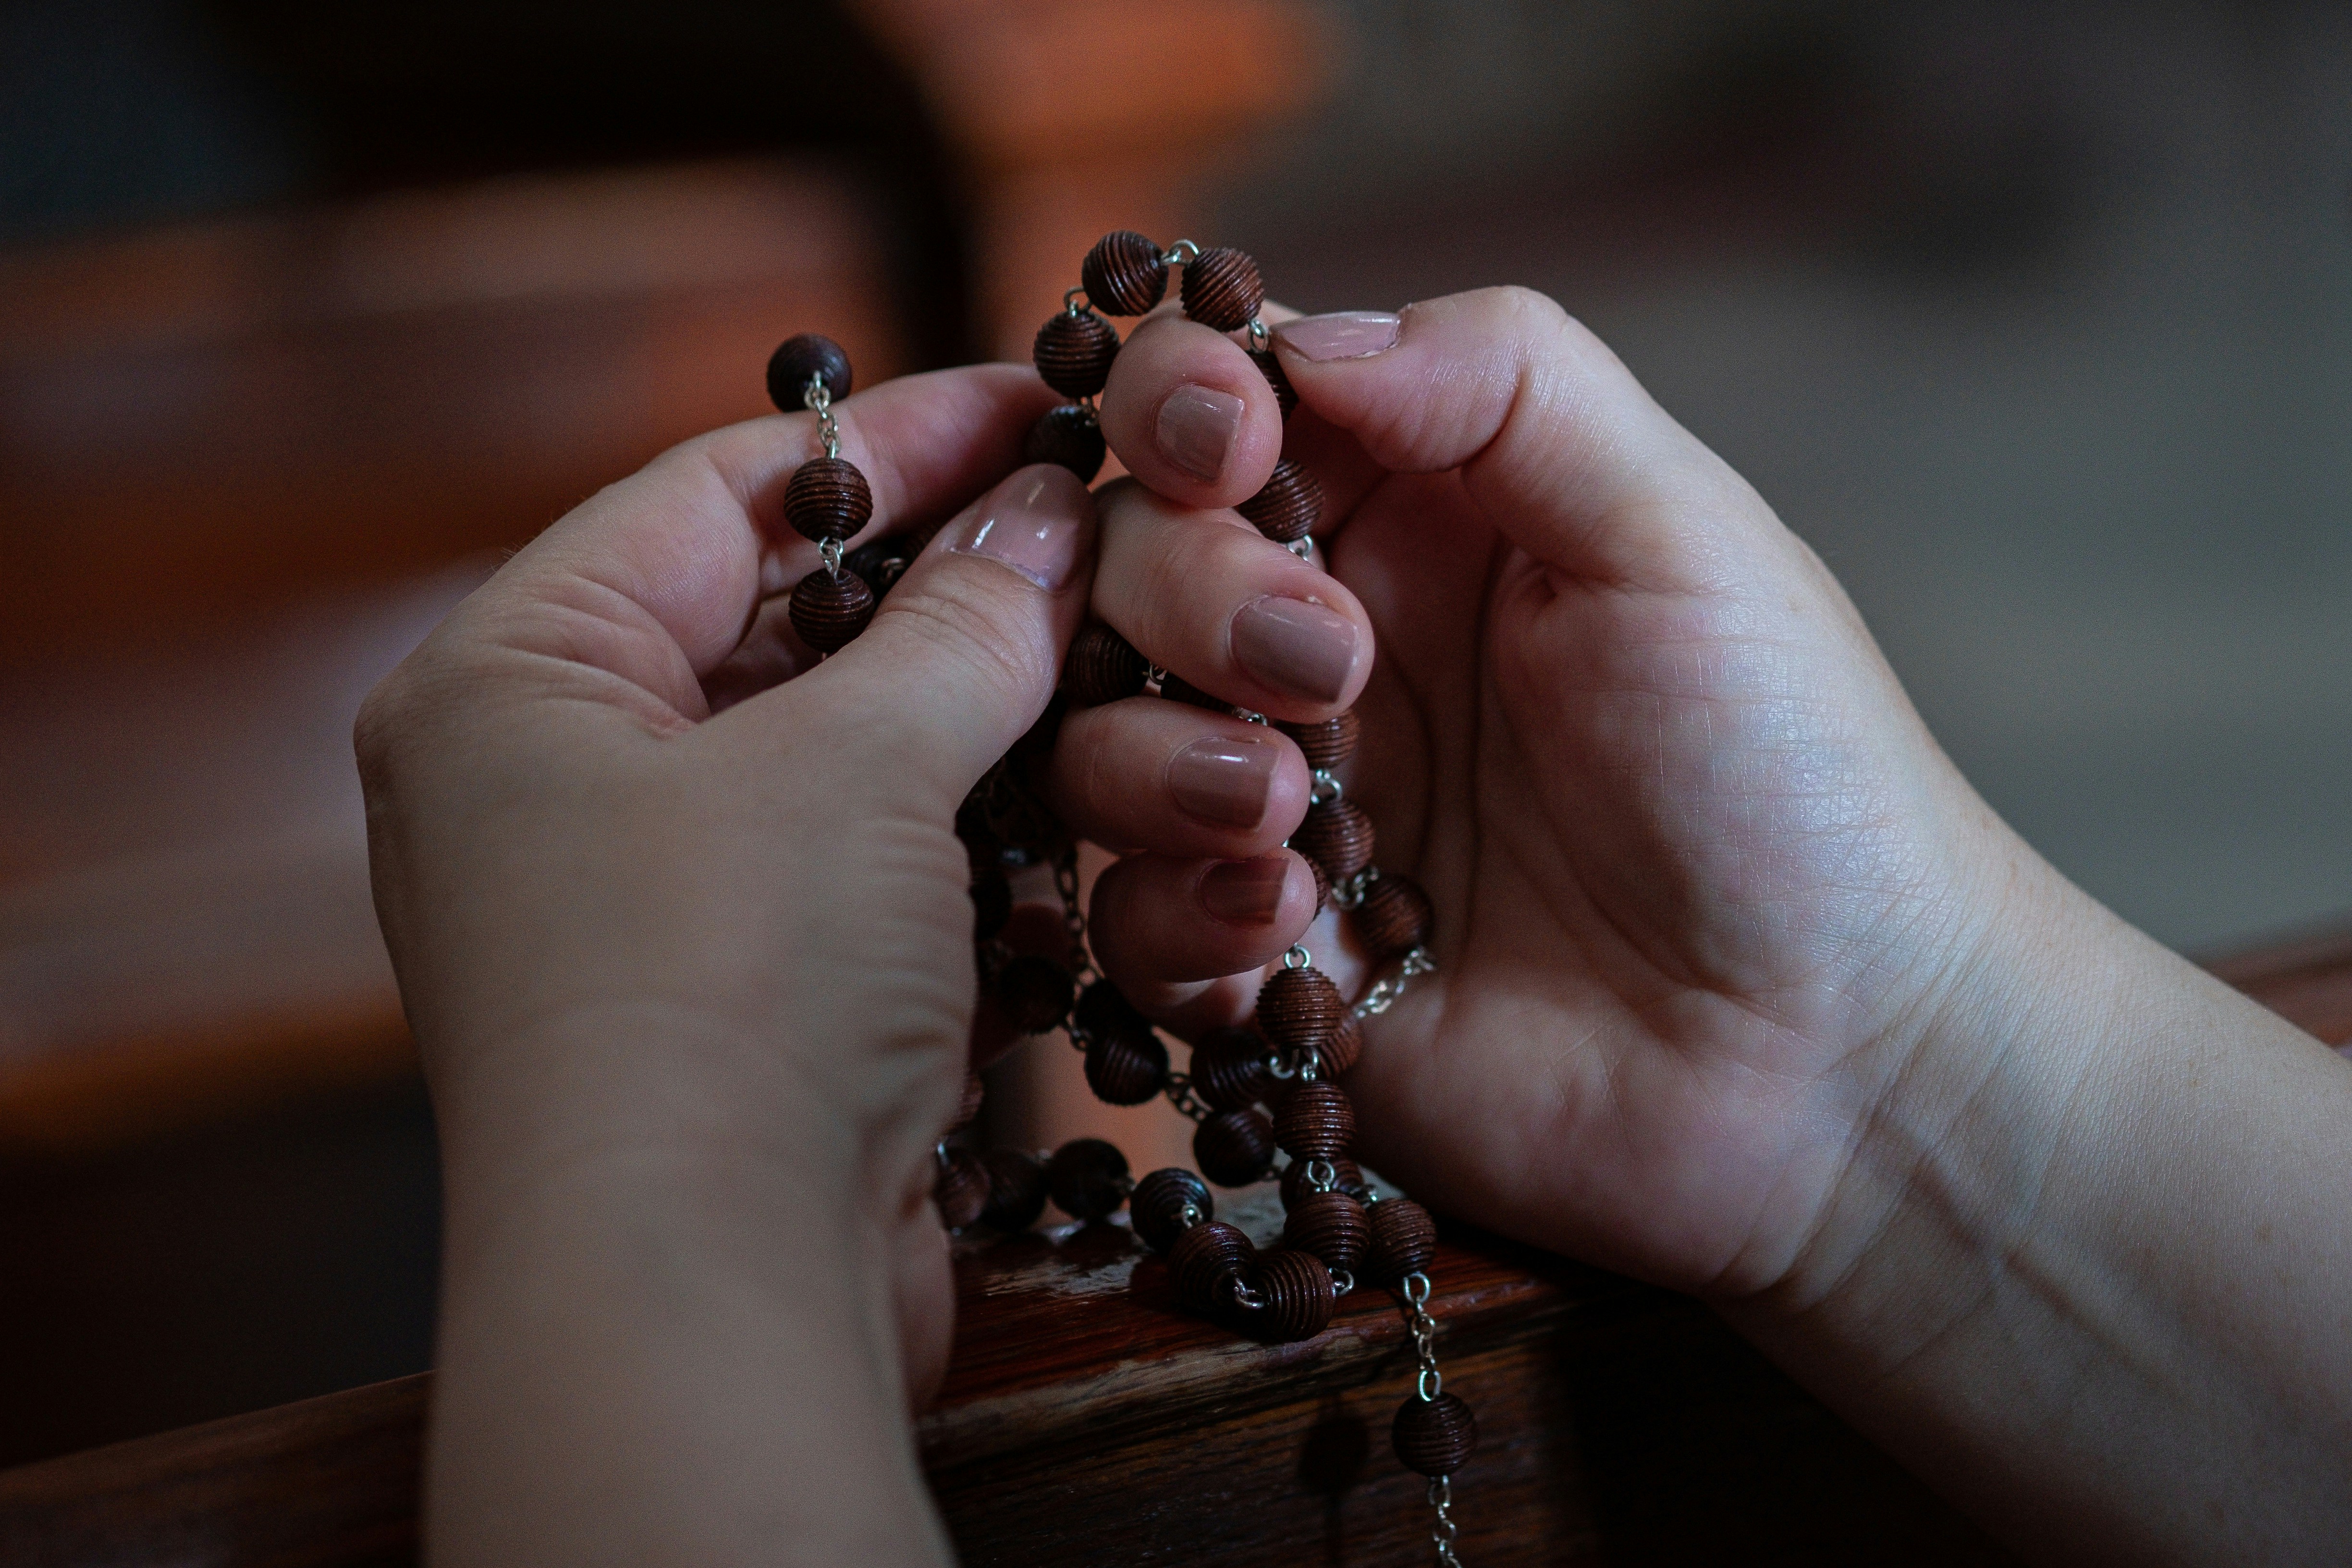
1086	1421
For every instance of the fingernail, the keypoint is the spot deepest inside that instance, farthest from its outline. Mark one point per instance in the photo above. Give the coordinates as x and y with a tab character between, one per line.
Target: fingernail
1035	522
1224	782
1245	892
1197	425
1343	334
1298	649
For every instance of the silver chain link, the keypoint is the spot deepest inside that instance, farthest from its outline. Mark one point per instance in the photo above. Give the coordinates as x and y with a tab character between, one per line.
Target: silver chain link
1073	920
817	398
1428	1384
1444	1533
1390	989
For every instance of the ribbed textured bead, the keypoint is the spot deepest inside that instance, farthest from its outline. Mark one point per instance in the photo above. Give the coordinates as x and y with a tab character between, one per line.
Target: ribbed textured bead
1069	435
1102	666
960	1189
1298	1008
1337	836
1221	289
1342	1046
1176	688
1103	1009
1434	1436
1395	916
1234	1148
991	904
1322	883
1202	1259
827	497
968	1102
1295	1190
1016	1189
830	610
1074	350
882	561
1228	1069
1156	1207
799	357
1331	1225
1316	1122
1296	1291
1288	505
1035	992
1125	1067
1404	1240
1328	745
1286	396
1088	1178
1123	274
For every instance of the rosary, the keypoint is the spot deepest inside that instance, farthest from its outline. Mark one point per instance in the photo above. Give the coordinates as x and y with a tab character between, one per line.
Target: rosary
1253	1089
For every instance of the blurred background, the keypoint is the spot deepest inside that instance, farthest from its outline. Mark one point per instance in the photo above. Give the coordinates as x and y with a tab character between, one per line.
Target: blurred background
2035	320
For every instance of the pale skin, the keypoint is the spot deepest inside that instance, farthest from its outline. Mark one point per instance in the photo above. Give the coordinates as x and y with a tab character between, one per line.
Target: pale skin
1744	990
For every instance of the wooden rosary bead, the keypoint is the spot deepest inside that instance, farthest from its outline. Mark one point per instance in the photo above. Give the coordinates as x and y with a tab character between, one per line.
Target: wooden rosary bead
1342	1046
1127	1068
1337	836
1326	745
829	609
1123	274
1074	350
1228	1070
1288	505
1295	1288
1176	688
1316	1122
882	561
1202	1259
1331	1225
1103	1009
1322	883
1088	1178
1016	1189
1102	666
1295	1190
1434	1436
1404	1240
1234	1148
799	357
1298	1009
960	1189
827	497
991	904
1156	1207
1035	992
1395	916
1286	396
1221	289
1069	435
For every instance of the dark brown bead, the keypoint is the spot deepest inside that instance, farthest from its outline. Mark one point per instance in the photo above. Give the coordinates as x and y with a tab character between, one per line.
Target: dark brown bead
1295	1190
991	904
1298	1008
1034	994
1016	1189
967	1103
1295	1289
829	609
1069	435
1337	836
1331	1225
960	1189
1288	505
1228	1069
1202	1260
1088	1178
1074	350
1342	1046
1404	1240
1234	1148
1127	1068
1286	396
1328	745
1317	1121
1395	916
882	561
1223	288
1123	274
1102	666
1322	883
1434	1436
827	497
1156	1208
1103	1009
796	360
1176	688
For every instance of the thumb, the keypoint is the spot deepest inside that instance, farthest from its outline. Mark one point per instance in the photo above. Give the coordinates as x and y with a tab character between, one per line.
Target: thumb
1557	442
964	654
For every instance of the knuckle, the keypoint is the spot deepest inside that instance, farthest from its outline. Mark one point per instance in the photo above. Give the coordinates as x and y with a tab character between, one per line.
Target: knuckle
977	631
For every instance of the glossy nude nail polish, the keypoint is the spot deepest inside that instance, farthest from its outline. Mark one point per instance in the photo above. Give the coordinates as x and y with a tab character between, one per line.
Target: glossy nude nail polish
1294	647
1224	782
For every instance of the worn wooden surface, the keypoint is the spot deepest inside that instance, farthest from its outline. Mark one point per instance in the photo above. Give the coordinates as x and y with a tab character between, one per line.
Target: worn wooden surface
1085	1420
